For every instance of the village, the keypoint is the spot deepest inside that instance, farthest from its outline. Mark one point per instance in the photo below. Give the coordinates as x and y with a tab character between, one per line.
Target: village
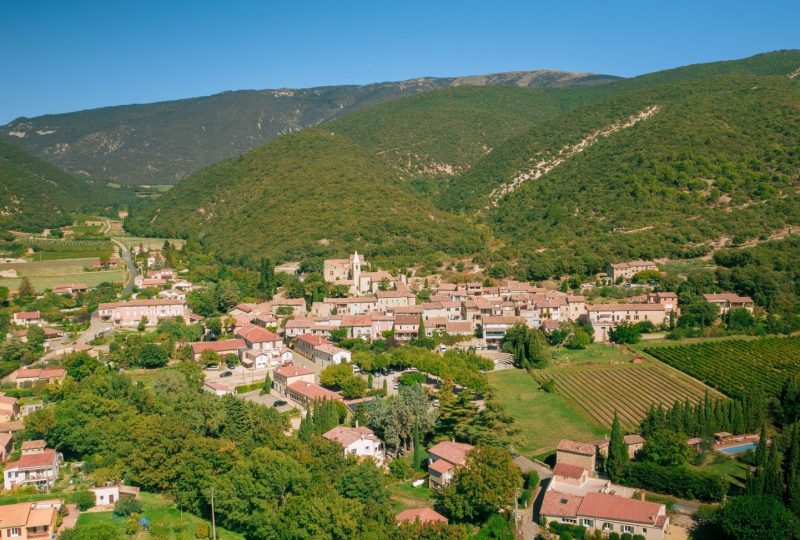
282	353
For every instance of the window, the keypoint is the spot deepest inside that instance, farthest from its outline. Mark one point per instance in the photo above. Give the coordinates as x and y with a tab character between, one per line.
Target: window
14	531
569	520
608	526
587	522
627	529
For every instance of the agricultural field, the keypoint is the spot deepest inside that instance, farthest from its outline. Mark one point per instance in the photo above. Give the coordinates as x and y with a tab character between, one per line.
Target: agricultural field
166	521
543	418
46	274
736	366
628	389
46	249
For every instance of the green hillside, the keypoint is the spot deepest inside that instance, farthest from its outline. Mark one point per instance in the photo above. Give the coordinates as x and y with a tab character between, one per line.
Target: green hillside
718	158
35	195
161	143
304	195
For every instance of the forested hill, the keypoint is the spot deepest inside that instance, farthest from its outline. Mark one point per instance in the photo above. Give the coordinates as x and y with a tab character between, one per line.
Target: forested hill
161	143
36	195
552	181
305	195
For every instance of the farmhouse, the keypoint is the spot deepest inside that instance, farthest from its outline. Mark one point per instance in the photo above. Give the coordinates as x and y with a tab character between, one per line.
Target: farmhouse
33	375
71	289
132	312
39	469
605	316
627	270
576	453
27	318
222	348
288	374
607	513
729	301
29	520
357	441
443	458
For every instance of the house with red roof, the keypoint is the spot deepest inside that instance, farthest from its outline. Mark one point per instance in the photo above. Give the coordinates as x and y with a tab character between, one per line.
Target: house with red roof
443	458
30	376
423	515
258	338
223	347
728	301
27	318
607	513
288	374
306	343
30	520
306	393
579	454
40	469
9	408
328	354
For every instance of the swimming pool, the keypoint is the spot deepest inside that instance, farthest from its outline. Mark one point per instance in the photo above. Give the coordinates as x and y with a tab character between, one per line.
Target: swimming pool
732	450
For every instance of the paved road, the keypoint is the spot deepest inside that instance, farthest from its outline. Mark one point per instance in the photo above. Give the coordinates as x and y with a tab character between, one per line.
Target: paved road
126	254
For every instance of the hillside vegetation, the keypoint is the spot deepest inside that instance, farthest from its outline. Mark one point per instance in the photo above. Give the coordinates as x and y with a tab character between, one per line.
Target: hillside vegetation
161	143
35	195
305	195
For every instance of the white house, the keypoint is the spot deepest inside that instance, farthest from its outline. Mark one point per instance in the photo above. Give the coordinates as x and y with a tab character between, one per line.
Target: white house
328	354
40	469
357	441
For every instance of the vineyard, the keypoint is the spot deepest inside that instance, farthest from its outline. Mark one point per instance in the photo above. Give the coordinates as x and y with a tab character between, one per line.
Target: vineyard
627	389
736	366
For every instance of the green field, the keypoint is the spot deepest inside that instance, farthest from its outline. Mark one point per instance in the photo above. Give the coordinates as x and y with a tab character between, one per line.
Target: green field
48	274
165	521
594	353
404	496
543	418
736	366
148	243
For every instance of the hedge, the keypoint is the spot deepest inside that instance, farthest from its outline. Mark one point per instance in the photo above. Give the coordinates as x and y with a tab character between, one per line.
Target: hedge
680	482
248	387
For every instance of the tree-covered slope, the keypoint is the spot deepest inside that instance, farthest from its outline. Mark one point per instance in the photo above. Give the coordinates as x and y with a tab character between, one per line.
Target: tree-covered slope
164	142
713	157
36	195
307	194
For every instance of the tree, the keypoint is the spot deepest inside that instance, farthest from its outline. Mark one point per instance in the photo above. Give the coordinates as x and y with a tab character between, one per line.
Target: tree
666	447
94	531
579	339
151	356
417	456
267	387
487	483
353	387
142	326
127	506
266	278
80	365
749	517
364	482
334	375
617	451
624	333
209	358
527	345
25	288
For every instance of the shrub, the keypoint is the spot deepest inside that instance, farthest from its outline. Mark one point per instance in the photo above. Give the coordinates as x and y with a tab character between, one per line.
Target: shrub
677	481
201	531
127	506
627	536
613	536
84	499
566	535
400	469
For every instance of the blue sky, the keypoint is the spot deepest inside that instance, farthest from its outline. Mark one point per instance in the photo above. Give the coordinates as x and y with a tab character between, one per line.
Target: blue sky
60	56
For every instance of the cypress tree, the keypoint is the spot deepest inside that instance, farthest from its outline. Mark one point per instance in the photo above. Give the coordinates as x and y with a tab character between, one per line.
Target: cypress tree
417	460
793	471
421	333
306	430
773	475
761	450
617	452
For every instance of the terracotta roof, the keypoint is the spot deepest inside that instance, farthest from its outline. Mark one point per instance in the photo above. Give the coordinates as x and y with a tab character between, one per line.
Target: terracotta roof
25	515
33	445
42	374
10	427
26	315
217	346
424	515
290	302
458	326
568	471
727	297
406	320
312	340
256	334
247	308
489	319
614	507
440	466
329	348
34	461
348	435
633	439
218	386
7	400
625	307
587	449
556	504
5	440
394	294
356	320
299	323
313	391
293	370
142	303
455	453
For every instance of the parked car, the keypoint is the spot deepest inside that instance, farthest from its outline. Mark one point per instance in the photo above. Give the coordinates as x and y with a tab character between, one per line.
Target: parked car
225	374
229	366
279	403
212	367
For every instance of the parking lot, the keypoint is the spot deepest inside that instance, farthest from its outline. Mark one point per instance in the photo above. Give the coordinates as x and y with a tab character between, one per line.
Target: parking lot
239	376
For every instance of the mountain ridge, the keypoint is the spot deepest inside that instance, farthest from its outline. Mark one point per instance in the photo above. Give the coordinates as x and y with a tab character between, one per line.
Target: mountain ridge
165	141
